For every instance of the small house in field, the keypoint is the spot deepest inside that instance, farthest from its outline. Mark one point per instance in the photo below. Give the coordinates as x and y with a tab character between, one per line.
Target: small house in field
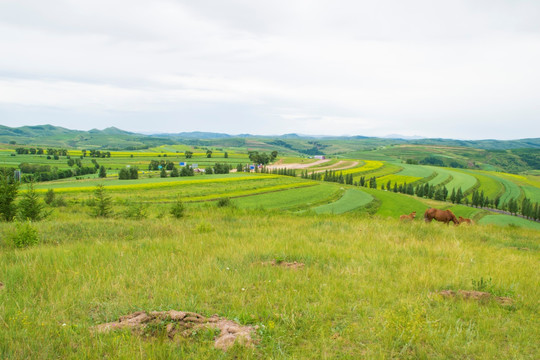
319	157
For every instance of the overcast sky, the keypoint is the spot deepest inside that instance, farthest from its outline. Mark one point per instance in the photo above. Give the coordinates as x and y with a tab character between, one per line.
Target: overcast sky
453	69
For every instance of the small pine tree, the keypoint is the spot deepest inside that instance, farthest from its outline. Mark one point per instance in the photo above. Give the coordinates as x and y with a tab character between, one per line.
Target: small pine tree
30	208
163	173
8	192
175	172
459	196
102	202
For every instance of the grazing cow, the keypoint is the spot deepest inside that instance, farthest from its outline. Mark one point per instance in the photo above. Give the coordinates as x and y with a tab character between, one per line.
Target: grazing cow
440	215
409	217
465	220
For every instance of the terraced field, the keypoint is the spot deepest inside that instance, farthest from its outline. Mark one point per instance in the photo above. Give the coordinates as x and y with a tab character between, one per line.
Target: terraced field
532	193
511	189
381	171
443	175
491	187
461	180
395	204
291	199
352	199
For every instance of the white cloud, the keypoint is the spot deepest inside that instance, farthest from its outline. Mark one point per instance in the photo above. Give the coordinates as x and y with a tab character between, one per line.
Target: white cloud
368	68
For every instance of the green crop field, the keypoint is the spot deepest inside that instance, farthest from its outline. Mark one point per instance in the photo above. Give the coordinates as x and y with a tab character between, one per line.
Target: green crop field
385	169
291	199
488	184
352	199
511	189
444	176
461	180
394	204
532	193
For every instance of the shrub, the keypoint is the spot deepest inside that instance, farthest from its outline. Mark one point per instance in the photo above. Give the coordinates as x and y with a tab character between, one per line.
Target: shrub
25	235
178	209
136	211
49	196
224	202
59	201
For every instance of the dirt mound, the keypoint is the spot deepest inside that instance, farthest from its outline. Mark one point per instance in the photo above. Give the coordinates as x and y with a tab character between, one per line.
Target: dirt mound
289	265
184	324
477	295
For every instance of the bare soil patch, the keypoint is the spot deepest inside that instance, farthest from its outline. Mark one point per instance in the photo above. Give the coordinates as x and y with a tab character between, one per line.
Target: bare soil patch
184	324
285	264
340	165
476	295
280	165
2	285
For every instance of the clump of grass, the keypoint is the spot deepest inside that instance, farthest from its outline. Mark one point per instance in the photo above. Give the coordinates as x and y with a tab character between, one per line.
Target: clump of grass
178	209
136	211
25	235
224	202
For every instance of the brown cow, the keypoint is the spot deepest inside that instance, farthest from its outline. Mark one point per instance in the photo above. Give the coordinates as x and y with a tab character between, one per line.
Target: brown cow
440	215
409	217
465	220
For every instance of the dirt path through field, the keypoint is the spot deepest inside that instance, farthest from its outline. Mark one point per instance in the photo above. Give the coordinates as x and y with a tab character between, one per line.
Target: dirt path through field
279	165
340	165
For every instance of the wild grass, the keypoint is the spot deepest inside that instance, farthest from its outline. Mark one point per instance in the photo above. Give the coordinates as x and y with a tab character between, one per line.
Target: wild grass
368	289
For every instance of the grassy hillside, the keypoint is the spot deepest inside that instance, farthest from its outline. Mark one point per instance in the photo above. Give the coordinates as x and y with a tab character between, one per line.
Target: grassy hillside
368	288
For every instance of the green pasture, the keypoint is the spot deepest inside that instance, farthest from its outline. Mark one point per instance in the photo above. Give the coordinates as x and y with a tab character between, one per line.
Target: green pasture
346	302
352	199
467	211
506	220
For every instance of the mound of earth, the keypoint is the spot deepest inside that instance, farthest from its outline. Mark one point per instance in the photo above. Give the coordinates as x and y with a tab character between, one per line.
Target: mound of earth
184	324
290	265
477	295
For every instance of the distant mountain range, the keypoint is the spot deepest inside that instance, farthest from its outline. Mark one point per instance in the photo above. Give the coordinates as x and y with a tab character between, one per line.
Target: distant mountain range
113	138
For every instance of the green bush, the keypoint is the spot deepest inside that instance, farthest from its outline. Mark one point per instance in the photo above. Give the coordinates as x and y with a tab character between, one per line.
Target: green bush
25	235
49	197
178	209
224	202
136	211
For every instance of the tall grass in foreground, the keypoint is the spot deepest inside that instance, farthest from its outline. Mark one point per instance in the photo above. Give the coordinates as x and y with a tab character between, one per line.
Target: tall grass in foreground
367	288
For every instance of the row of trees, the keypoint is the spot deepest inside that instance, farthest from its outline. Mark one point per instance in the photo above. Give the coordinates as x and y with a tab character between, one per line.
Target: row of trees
279	171
41	151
